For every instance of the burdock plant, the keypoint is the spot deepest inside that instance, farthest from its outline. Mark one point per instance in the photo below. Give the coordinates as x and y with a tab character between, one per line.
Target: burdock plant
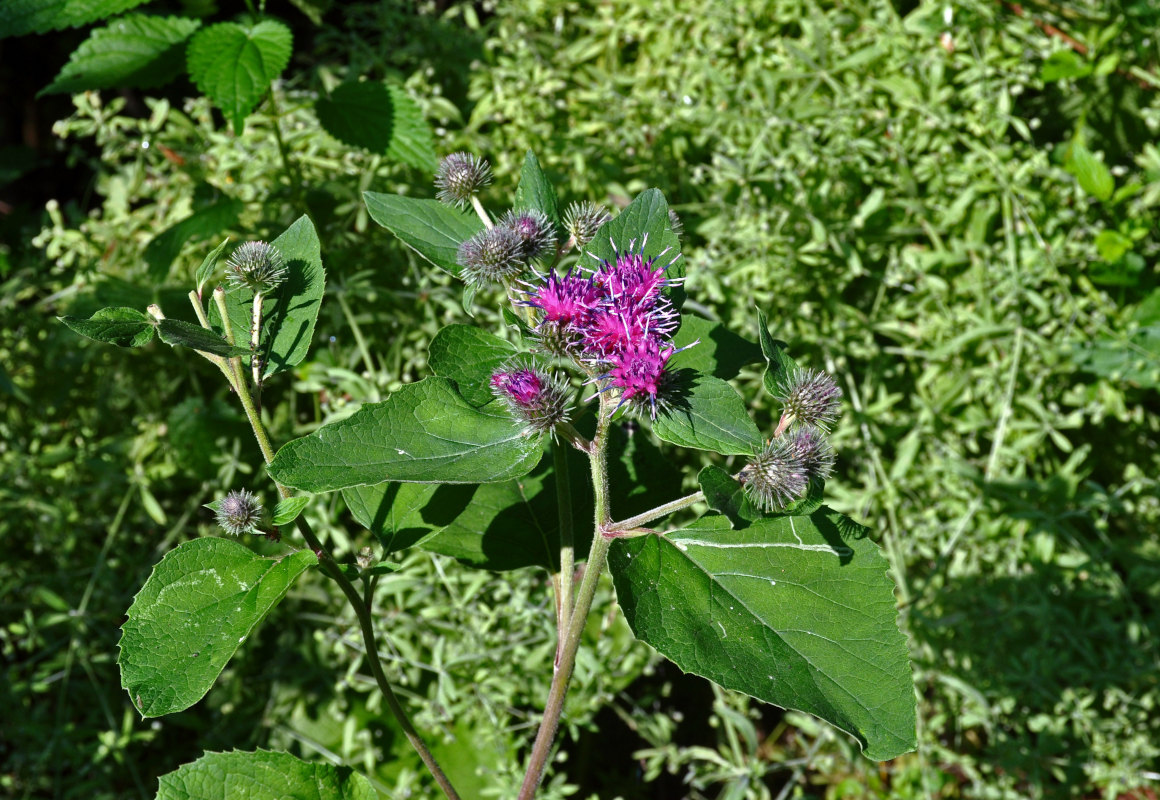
749	581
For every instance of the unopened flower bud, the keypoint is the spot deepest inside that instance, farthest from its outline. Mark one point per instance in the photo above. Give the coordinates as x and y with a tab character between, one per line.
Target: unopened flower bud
493	255
460	176
257	266
811	448
811	398
534	229
532	395
583	220
239	512
775	477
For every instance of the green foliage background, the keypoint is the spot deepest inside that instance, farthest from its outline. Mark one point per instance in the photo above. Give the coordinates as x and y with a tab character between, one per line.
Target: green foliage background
953	207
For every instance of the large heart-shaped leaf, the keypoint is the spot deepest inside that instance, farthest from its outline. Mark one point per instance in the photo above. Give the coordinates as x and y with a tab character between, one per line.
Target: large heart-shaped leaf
423	433
234	64
380	118
430	228
796	611
643	227
469	356
262	775
134	51
198	606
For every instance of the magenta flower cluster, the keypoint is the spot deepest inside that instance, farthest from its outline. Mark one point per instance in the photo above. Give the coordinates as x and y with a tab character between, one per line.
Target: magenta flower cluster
615	321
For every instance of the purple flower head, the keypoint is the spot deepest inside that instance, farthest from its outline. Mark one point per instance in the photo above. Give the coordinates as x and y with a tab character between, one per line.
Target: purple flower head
639	373
531	395
815	453
632	279
568	299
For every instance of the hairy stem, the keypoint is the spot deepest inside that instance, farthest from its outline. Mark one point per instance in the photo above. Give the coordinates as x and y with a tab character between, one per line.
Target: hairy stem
481	211
567	550
655	513
255	342
361	608
566	661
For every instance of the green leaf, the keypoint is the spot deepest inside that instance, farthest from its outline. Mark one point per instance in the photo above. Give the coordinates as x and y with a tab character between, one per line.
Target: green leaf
424	433
234	64
1092	174
379	118
708	414
288	509
207	221
20	17
135	51
720	352
124	327
796	611
430	228
176	332
290	313
209	266
646	216
515	524
780	368
536	191
262	775
1112	245
468	356
1063	64
198	606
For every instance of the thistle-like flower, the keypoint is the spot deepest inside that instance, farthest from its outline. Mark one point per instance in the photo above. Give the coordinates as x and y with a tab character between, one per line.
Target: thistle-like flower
239	512
810	398
638	371
533	396
583	220
535	230
460	176
257	266
493	255
809	445
775	477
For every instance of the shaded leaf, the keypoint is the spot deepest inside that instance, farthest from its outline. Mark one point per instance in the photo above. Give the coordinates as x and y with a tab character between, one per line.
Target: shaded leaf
20	17
134	51
423	433
198	606
289	508
780	368
124	327
176	332
381	118
719	352
796	611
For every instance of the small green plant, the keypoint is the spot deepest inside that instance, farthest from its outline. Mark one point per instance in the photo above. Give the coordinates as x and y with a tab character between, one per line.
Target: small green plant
523	449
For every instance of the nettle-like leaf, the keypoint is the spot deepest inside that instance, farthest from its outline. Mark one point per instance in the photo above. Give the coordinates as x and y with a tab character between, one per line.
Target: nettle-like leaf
381	118
209	266
20	17
201	602
430	228
290	313
535	191
234	64
134	51
796	611
423	433
124	327
262	775
515	524
719	352
708	414
647	216
780	368
469	356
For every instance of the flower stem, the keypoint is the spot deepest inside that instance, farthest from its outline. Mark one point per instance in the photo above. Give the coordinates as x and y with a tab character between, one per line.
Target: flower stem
361	608
566	659
655	513
567	549
255	341
481	211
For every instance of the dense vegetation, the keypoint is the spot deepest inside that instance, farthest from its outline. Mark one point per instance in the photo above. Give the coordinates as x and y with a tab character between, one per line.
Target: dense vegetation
951	206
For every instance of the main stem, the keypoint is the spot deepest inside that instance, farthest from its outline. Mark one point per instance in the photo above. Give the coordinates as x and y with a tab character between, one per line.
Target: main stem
567	549
566	661
361	609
